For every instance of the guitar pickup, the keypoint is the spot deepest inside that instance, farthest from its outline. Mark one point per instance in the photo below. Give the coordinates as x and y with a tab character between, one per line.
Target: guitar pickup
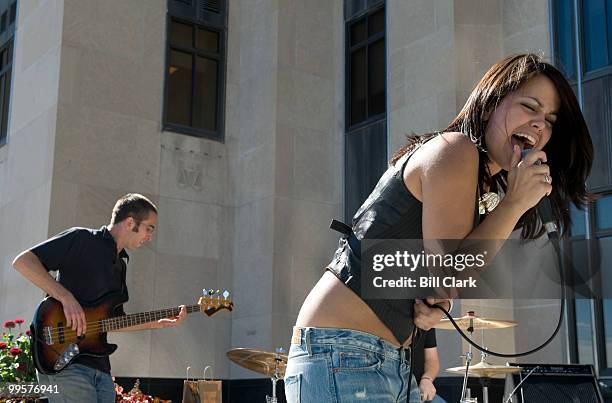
48	336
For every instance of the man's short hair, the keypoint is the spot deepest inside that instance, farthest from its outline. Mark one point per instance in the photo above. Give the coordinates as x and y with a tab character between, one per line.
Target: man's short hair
132	205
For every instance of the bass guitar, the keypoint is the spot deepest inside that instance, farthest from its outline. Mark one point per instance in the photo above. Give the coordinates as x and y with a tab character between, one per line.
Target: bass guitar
54	345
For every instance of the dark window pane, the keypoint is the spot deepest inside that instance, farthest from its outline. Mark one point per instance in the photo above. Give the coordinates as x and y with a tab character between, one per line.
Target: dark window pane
181	34
595	34
609	26
580	263
365	161
178	102
6	94
208	40
13	12
604	245
3	100
212	6
3	22
376	22
584	331
607	311
578	225
376	78
566	46
358	32
596	97
206	94
603	212
358	71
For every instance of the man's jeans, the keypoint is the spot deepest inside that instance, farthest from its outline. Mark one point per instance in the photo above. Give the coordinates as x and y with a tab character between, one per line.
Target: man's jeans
79	384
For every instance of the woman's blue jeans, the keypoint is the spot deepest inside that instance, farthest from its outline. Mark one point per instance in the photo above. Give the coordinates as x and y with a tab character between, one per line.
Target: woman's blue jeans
342	365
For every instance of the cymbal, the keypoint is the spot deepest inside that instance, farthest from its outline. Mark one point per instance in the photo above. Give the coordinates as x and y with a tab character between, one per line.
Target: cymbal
264	362
478	323
485	370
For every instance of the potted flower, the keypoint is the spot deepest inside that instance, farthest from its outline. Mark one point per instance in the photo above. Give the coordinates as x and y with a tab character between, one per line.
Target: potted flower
135	395
16	363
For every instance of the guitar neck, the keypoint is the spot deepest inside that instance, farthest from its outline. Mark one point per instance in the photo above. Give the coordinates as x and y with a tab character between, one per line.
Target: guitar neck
121	322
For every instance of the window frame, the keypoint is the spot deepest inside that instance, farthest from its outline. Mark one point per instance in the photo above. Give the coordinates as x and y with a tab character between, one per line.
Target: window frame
586	74
220	57
375	161
5	97
366	14
608	49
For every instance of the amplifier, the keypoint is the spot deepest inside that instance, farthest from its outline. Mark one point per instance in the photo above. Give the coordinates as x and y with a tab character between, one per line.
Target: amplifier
554	383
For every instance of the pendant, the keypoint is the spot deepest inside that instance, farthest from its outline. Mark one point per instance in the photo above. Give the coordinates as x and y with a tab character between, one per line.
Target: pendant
488	202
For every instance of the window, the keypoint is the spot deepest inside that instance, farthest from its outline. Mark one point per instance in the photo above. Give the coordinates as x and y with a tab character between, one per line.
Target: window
585	55
13	13
595	18
593	317
365	118
595	38
595	22
564	44
195	73
6	67
603	234
366	67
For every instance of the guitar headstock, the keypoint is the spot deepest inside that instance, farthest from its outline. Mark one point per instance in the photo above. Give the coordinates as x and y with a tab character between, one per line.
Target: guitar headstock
213	301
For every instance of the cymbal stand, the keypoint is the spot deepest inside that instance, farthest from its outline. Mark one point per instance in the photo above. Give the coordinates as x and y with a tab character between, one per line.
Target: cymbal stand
468	361
276	376
484	383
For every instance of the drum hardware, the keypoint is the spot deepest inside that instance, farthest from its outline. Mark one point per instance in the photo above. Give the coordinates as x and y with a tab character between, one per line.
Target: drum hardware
483	369
263	362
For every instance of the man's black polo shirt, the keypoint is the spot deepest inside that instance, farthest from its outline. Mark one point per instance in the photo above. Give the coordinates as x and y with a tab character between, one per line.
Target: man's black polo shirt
427	340
89	267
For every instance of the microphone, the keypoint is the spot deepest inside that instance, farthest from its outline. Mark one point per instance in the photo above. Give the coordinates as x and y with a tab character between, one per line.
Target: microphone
544	207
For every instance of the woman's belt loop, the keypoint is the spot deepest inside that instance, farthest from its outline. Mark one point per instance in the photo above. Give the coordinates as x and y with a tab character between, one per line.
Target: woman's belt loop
307	332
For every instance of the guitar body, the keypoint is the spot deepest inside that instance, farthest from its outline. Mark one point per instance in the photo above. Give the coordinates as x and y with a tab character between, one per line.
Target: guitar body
51	339
54	345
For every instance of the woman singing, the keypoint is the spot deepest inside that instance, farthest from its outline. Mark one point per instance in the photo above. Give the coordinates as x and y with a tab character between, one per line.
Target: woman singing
345	348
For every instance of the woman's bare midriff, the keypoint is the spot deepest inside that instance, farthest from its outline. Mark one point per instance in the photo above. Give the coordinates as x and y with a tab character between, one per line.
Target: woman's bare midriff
332	304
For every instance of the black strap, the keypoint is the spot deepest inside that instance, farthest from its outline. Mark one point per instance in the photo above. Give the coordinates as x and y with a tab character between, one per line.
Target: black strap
349	235
340	227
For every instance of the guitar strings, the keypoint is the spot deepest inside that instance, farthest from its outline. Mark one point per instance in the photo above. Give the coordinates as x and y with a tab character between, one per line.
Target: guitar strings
97	326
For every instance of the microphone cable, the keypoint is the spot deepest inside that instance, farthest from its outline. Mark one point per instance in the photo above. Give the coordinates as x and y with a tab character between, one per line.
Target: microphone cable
548	222
553	236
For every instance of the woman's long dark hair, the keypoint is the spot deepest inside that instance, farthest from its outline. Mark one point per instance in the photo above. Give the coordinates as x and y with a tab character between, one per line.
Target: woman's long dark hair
569	150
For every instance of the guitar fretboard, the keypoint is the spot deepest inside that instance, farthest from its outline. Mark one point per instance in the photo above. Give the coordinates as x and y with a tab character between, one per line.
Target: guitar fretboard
121	322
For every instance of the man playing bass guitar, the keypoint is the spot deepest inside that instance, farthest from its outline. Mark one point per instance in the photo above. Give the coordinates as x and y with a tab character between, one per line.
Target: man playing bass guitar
91	264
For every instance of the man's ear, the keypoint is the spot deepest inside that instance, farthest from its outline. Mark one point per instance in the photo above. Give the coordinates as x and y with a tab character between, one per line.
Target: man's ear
129	223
